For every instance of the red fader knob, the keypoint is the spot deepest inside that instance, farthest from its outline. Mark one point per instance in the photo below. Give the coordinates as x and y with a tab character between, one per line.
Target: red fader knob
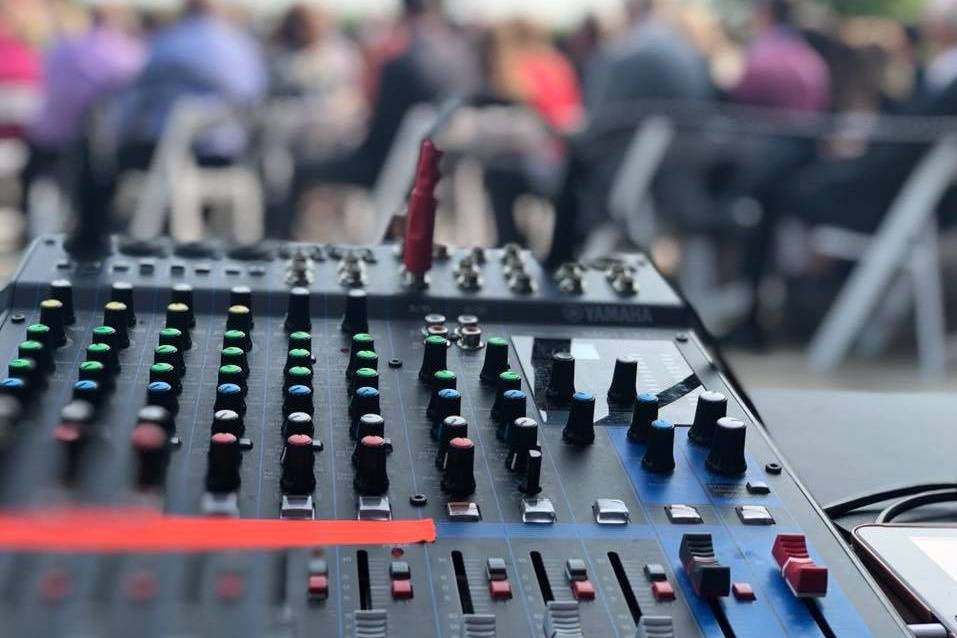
803	576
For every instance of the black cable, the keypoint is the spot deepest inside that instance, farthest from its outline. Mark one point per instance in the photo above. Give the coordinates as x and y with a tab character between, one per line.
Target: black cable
844	507
913	502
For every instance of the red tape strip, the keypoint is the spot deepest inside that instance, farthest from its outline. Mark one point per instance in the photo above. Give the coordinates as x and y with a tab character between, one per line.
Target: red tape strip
122	531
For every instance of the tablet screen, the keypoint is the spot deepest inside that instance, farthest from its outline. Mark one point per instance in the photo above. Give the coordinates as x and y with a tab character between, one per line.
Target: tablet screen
943	551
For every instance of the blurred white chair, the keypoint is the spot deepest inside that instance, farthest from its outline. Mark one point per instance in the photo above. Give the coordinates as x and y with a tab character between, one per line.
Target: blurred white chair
178	186
903	251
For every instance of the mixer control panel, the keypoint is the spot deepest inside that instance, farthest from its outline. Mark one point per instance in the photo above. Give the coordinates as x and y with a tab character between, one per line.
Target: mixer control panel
488	450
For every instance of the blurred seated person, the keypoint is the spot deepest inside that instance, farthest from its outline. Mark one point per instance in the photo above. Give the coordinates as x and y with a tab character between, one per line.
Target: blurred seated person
79	71
435	64
203	56
652	60
312	60
20	76
782	71
521	66
856	193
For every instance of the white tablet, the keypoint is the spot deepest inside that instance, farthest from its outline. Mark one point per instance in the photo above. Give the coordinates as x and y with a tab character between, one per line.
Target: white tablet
919	562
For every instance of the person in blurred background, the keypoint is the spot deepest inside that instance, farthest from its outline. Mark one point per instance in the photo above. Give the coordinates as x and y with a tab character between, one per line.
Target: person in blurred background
940	27
312	59
201	56
653	61
522	67
80	71
20	76
435	63
782	71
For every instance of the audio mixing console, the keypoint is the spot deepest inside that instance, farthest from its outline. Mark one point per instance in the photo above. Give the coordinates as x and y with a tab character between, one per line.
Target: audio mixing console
588	468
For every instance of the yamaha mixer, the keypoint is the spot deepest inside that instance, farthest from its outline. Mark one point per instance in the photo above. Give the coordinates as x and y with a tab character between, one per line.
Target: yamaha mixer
317	440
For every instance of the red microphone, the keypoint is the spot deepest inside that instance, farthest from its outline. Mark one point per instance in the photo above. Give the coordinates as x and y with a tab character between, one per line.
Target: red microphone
420	219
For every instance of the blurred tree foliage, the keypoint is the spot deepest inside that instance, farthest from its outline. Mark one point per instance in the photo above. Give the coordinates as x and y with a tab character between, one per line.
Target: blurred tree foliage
906	10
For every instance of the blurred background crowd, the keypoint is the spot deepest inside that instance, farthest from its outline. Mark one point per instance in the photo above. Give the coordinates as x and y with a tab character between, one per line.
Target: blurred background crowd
760	150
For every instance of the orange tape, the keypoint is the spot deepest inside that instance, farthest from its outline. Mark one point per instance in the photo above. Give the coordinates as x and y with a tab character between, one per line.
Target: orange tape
121	531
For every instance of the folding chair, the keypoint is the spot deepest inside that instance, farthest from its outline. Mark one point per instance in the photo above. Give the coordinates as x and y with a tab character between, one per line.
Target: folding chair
905	245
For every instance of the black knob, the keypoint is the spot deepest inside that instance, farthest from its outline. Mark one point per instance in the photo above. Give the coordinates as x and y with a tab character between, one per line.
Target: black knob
228	421
151	444
298	398
448	402
233	356
237	339
62	291
522	437
172	337
162	394
183	294
72	439
532	484
298	461
79	412
298	423
659	455
300	339
239	317
452	427
298	314
356	318
297	375
241	296
441	380
41	355
53	315
459	477
171	355
158	415
363	378
496	360
39	332
178	317
711	407
371	477
511	407
645	412
370	425
727	447
25	369
122	291
223	460
561	381
88	391
364	401
361	342
299	357
508	380
433	357
166	373
102	353
233	374
15	387
229	396
623	382
362	359
580	429
10	411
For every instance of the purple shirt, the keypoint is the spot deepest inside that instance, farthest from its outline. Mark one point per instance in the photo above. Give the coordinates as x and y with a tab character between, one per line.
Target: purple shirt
782	71
78	72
